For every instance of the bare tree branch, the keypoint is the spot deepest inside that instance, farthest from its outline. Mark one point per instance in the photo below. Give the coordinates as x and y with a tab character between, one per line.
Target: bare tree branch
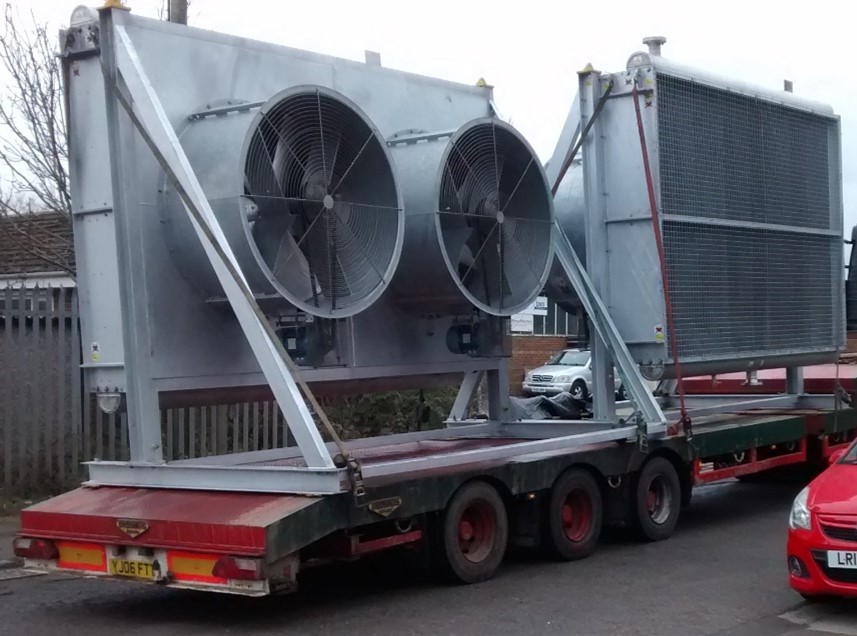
33	140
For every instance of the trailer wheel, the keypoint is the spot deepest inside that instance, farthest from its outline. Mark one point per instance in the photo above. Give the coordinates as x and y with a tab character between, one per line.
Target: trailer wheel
475	531
573	516
657	500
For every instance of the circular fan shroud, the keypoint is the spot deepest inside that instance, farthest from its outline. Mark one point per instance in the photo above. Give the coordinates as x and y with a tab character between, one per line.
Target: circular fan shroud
495	217
321	207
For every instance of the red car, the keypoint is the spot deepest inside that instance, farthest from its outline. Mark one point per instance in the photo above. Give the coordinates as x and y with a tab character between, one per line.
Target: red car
822	546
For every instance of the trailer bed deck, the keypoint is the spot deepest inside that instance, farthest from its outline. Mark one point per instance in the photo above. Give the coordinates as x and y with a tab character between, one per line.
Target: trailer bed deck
190	530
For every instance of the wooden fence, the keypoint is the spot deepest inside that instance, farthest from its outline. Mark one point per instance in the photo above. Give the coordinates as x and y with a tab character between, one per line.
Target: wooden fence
49	426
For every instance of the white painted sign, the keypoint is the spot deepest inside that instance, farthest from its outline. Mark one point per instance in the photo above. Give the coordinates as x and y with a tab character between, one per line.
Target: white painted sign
539	307
522	323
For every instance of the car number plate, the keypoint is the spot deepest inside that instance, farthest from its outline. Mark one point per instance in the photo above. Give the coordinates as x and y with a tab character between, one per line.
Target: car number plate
132	569
538	389
842	559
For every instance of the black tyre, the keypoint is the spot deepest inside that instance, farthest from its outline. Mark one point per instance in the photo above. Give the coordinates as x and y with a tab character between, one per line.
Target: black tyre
579	390
657	500
573	516
474	533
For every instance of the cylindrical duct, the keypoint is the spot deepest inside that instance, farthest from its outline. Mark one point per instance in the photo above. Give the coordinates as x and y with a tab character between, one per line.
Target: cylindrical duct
570	209
479	221
306	195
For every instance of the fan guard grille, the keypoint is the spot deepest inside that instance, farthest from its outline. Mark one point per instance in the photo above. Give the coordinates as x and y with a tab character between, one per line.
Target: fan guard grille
322	208
495	218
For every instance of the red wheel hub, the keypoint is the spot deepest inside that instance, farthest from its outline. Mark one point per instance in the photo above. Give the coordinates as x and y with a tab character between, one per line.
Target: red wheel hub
659	500
477	528
652	498
576	515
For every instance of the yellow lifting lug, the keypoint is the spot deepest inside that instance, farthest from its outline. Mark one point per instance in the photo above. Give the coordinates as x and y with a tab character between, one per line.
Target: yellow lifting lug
114	4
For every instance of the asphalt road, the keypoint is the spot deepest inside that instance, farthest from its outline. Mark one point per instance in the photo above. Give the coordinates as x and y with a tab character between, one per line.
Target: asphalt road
722	573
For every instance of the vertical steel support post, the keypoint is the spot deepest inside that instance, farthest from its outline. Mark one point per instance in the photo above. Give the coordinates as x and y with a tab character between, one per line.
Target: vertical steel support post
498	393
794	380
144	416
603	393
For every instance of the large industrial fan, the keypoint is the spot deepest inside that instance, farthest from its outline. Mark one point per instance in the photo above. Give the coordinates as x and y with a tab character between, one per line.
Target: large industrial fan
316	198
292	151
490	216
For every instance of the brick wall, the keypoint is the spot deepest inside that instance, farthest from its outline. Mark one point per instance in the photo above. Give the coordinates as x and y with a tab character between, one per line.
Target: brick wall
529	352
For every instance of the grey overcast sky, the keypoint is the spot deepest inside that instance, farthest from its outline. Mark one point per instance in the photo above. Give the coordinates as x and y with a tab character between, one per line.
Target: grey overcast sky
530	51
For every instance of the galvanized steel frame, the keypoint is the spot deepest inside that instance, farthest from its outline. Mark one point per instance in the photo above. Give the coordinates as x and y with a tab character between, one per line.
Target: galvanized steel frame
703	405
129	91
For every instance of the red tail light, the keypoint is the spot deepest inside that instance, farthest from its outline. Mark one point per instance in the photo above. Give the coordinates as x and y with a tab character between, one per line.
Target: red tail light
35	549
238	568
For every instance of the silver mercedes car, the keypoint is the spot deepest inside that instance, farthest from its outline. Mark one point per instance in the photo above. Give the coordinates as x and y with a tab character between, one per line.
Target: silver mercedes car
569	370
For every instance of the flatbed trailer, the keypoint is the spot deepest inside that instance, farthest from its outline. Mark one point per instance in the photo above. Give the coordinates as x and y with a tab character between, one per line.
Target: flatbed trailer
557	500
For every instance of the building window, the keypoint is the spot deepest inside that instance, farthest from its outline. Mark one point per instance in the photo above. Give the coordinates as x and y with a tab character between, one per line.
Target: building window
552	321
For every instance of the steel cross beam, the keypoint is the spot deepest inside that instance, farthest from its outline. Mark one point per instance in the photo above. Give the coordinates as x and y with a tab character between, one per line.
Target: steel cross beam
703	405
521	452
248	478
127	81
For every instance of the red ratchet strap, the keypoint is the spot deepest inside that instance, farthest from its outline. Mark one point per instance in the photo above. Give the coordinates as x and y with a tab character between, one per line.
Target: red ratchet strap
659	241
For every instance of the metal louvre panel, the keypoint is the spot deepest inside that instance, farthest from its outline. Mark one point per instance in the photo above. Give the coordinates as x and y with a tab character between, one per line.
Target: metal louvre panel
748	223
730	156
743	292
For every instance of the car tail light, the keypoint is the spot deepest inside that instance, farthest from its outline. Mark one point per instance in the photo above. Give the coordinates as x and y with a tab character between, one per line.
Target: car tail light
237	568
35	549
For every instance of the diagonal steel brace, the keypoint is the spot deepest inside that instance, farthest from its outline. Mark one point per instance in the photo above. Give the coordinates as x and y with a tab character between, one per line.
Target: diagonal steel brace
132	89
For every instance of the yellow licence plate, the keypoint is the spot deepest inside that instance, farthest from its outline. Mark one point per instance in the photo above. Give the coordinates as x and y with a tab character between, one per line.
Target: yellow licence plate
133	569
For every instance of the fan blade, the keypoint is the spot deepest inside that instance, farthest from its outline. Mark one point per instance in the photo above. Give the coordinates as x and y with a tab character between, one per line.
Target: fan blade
484	242
293	269
357	156
259	177
274	221
518	184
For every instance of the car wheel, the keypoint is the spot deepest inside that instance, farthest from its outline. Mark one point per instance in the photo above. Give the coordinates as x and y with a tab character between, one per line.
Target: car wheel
579	390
